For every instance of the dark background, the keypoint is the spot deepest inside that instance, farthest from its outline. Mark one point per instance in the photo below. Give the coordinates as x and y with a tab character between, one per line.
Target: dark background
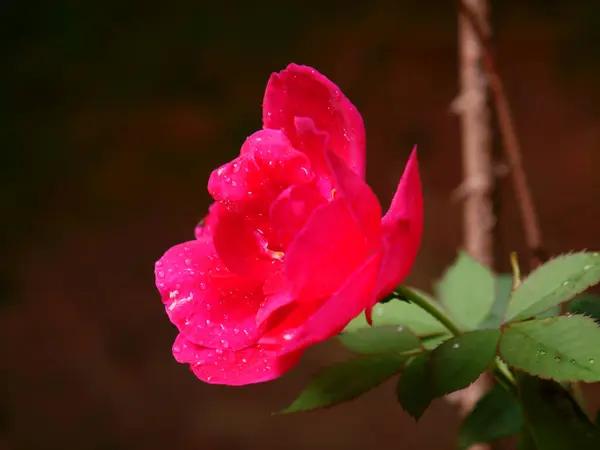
112	116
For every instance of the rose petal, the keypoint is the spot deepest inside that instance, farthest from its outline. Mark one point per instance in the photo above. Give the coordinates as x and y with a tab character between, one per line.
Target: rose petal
241	248
402	228
300	91
240	186
234	368
271	138
278	302
268	164
315	322
291	210
281	164
325	252
361	200
211	305
314	144
248	185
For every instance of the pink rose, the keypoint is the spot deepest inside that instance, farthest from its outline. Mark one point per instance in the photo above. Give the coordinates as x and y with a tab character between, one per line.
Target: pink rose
294	246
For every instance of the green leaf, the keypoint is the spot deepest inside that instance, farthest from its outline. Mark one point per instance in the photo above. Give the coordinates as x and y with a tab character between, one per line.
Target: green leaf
564	348
431	342
414	387
382	339
467	290
587	305
553	283
504	284
494	319
549	313
554	420
496	415
396	312
346	381
459	361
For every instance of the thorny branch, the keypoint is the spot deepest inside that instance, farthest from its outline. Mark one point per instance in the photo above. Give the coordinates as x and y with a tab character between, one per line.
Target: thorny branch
479	220
512	147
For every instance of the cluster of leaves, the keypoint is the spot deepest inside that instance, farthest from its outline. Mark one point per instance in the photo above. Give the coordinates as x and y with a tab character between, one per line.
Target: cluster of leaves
516	329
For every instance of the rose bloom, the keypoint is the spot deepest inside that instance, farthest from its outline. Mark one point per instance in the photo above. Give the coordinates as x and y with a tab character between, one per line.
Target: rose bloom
294	246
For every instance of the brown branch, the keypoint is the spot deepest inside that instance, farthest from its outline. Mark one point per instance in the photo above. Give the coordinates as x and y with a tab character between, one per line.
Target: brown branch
512	147
476	136
478	183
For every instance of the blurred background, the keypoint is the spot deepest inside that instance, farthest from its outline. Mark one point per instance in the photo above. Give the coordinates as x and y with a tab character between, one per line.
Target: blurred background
112	116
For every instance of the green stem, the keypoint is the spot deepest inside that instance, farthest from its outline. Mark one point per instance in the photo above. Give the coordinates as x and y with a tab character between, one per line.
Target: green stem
501	372
426	305
504	377
514	263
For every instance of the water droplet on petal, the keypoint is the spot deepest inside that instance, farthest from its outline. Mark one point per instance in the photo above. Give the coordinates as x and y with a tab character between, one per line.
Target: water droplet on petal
244	360
219	351
591	360
160	274
566	283
225	344
588	267
457	345
557	359
287	336
572	361
541	352
158	263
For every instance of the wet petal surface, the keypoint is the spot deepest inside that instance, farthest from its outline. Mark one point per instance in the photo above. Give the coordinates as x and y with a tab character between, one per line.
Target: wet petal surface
255	364
300	91
208	303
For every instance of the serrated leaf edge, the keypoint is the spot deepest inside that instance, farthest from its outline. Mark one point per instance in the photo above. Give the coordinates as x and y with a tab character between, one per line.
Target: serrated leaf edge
349	399
416	417
499	353
574	292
